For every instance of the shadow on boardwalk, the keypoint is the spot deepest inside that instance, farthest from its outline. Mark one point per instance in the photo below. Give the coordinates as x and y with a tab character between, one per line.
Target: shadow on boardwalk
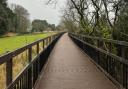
69	68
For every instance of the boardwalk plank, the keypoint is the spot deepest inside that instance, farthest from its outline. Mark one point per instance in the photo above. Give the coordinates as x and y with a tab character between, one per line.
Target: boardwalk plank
69	68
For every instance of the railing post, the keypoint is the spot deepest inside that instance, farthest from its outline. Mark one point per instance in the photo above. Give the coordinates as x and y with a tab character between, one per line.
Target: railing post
46	42
30	73
54	37
38	49
9	72
38	60
123	54
84	46
30	54
109	58
43	44
99	56
50	39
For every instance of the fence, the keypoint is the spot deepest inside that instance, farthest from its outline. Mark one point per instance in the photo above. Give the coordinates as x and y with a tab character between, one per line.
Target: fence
37	54
110	55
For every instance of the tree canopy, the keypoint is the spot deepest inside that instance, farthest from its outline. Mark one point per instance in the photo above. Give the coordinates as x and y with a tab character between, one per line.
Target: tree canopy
14	19
6	16
41	25
104	18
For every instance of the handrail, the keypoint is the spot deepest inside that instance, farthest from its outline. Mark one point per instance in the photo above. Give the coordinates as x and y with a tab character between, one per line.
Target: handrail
123	60
27	78
116	66
120	46
5	57
123	43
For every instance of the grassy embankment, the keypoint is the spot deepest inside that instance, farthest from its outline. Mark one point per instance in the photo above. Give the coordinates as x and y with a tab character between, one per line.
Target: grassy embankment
14	42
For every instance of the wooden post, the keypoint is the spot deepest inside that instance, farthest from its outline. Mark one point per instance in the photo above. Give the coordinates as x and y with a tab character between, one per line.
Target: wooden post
123	54
47	41
9	72
30	54
99	55
109	58
50	39
83	44
38	48
123	51
43	44
38	60
30	81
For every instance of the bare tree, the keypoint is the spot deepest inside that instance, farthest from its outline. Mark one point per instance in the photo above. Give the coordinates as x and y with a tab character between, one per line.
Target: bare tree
93	14
21	19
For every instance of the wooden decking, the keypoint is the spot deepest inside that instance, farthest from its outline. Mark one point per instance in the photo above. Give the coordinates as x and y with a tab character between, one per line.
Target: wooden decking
69	68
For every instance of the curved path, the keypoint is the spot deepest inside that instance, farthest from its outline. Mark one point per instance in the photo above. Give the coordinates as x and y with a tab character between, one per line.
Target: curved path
69	68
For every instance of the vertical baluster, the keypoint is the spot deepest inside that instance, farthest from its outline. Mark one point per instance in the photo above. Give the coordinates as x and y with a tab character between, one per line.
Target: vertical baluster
82	42
34	72
15	86
50	39
126	76
20	83
9	72
114	68
27	79
99	56
43	44
123	54
84	48
109	58
30	54
38	64
47	41
30	69
23	82
38	48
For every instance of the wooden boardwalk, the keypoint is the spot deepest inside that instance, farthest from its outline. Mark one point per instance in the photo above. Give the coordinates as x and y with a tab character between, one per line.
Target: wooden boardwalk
69	68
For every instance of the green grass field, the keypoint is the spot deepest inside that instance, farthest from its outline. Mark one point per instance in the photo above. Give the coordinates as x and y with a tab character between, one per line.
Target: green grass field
14	42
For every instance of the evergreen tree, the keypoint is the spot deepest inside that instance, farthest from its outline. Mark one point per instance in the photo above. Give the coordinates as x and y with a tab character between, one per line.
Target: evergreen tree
6	16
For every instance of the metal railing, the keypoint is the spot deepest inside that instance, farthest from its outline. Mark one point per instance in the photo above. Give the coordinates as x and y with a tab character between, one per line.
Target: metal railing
110	55
28	76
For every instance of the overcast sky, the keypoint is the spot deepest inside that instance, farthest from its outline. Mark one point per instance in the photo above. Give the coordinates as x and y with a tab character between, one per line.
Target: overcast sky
39	10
